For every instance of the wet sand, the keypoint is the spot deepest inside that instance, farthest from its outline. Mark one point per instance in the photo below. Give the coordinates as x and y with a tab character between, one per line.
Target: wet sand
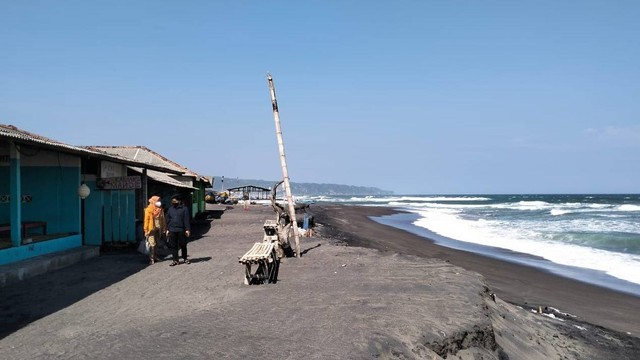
512	282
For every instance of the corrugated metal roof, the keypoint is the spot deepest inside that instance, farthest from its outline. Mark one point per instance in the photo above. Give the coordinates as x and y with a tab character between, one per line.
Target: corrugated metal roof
142	154
148	156
162	177
12	132
20	136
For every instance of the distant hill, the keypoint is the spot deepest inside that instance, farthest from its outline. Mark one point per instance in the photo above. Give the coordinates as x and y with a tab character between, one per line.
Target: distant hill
309	189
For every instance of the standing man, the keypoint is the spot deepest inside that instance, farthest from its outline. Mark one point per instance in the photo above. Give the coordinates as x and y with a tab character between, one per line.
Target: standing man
245	201
305	224
178	229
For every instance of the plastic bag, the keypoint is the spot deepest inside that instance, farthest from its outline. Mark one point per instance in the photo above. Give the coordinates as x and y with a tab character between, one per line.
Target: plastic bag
143	247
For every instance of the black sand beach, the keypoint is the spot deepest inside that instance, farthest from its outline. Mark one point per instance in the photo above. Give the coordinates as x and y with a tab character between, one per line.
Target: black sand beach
514	283
335	302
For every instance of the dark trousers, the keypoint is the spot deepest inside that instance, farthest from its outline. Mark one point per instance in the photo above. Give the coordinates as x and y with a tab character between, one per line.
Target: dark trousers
178	241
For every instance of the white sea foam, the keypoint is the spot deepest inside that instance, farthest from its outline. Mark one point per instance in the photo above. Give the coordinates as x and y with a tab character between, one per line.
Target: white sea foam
556	212
628	207
453	198
554	209
371	199
532	238
563	209
417	205
561	232
603	225
411	199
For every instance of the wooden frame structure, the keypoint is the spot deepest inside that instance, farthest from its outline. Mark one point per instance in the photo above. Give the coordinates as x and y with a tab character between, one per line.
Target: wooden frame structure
263	193
263	256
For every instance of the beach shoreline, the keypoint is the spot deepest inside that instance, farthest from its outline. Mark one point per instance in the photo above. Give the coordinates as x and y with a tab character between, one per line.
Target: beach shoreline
404	220
515	283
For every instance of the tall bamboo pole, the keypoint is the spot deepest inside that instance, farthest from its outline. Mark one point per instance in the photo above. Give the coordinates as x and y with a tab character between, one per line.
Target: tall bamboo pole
283	162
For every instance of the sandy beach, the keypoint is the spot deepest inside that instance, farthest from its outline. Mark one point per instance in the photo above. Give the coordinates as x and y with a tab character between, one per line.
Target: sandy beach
515	283
338	301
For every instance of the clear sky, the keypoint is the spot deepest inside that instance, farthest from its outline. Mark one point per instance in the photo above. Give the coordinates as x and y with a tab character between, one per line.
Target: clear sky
429	97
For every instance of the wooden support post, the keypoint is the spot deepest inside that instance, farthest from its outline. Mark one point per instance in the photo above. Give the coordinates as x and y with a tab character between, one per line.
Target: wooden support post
283	162
15	193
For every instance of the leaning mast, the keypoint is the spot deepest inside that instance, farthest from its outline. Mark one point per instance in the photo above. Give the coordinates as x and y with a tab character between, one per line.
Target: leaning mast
283	163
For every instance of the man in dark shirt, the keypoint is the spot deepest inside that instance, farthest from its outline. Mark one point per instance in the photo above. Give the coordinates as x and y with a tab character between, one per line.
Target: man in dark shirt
178	229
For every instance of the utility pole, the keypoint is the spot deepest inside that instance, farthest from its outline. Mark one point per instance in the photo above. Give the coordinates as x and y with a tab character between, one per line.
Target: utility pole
283	162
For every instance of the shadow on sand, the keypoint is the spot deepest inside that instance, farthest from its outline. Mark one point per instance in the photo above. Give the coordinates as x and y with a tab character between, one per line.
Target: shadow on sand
26	301
309	249
31	299
199	229
200	259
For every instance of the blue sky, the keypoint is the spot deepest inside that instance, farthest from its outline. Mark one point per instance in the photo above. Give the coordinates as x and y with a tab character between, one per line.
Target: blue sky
432	97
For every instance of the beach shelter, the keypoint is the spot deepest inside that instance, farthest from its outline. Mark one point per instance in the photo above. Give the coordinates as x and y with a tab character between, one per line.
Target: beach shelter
50	200
180	180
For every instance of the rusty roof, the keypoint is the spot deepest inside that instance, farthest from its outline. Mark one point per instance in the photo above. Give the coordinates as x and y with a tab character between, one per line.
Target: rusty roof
147	156
163	178
23	137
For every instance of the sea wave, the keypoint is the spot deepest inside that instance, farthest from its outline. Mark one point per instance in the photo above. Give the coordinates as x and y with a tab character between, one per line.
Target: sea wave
557	212
564	209
537	238
452	198
553	209
419	205
417	199
599	232
628	207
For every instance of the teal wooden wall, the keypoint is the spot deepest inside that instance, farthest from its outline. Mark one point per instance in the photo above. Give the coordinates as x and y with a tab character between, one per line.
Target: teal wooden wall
124	203
53	198
53	195
110	216
93	216
4	190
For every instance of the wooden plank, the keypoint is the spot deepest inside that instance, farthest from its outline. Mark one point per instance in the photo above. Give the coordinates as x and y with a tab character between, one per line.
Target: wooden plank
258	252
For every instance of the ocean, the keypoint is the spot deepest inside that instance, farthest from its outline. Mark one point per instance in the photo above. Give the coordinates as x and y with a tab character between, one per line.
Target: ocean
590	238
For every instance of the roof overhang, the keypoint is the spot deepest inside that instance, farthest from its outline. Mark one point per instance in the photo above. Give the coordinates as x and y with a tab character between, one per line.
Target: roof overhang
20	138
253	187
162	177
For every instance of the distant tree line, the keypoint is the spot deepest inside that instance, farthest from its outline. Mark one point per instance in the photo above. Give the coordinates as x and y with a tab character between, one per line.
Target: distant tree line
309	189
